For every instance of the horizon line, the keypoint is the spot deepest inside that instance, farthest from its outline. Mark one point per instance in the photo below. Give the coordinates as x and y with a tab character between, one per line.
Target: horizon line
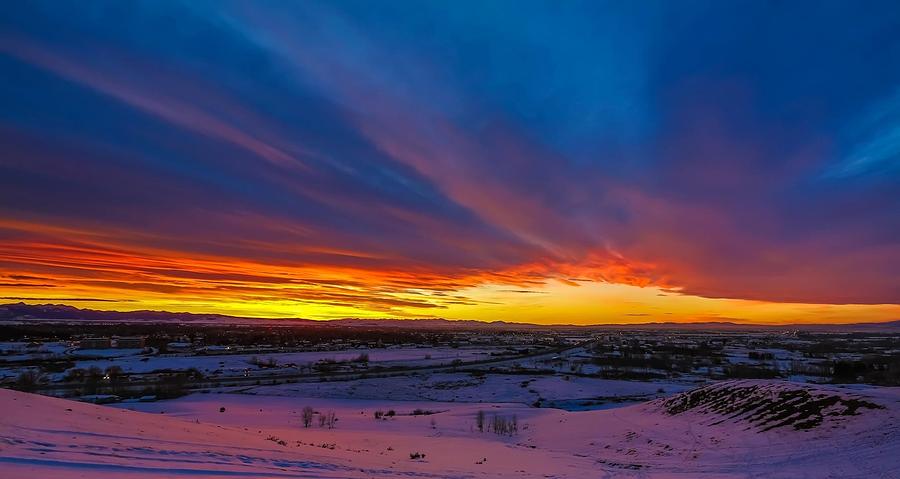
729	322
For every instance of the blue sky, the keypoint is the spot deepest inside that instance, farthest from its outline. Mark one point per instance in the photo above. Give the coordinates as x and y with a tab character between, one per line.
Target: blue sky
741	150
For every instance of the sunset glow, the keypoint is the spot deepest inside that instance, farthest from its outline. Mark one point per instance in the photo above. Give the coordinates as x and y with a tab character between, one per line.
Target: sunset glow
356	159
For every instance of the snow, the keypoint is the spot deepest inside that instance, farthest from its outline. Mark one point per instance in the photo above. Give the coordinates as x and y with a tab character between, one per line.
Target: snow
11	351
261	436
465	387
239	362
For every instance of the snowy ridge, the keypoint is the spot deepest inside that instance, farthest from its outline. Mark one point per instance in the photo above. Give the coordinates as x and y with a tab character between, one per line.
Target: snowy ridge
766	405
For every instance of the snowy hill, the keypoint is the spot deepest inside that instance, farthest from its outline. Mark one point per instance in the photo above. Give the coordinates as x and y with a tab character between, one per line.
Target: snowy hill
729	429
768	405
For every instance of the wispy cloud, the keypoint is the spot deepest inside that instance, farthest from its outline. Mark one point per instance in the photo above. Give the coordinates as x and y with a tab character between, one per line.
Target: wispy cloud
341	159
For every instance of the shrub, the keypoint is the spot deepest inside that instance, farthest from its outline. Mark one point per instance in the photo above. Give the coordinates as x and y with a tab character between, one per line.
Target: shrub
92	379
75	375
330	419
115	375
362	358
277	440
171	386
505	426
263	363
306	416
761	355
29	379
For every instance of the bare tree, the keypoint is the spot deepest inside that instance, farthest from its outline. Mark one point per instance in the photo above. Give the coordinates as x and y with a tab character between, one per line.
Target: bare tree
330	419
504	426
479	421
307	416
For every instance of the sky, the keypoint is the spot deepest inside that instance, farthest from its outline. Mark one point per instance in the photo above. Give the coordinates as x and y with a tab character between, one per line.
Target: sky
554	162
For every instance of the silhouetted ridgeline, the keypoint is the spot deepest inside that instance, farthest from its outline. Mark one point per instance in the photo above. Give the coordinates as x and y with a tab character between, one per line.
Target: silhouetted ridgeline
22	312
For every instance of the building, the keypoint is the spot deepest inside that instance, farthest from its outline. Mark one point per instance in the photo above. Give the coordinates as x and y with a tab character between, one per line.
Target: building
95	343
136	342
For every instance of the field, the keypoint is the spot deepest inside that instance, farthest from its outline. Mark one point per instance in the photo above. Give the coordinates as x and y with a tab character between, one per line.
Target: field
456	404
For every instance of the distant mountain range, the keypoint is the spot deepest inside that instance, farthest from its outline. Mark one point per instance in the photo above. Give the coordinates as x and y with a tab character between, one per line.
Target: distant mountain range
18	313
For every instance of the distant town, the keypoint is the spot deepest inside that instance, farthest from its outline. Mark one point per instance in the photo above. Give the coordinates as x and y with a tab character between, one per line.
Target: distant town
98	361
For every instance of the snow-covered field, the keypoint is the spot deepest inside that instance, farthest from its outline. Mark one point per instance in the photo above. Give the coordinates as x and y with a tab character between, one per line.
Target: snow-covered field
465	387
22	351
733	429
230	363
